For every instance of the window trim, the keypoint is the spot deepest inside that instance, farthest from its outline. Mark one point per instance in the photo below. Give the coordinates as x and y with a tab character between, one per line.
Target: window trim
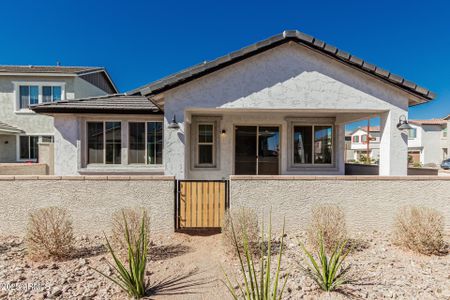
145	142
198	144
40	85
415	134
444	134
356	139
193	138
104	143
39	135
298	122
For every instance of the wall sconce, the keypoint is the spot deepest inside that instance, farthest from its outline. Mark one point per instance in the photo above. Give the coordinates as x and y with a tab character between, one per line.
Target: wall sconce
223	132
174	124
403	123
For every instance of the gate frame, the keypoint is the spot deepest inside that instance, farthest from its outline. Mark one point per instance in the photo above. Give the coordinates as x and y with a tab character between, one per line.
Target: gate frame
177	213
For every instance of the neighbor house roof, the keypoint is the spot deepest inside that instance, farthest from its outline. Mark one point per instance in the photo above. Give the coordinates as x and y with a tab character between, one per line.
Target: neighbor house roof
87	73
6	128
313	43
118	103
447	117
428	122
364	128
48	69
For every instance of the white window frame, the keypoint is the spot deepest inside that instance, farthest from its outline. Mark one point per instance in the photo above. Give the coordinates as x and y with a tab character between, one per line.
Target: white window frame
40	135
198	144
444	133
104	143
39	84
146	142
312	164
415	133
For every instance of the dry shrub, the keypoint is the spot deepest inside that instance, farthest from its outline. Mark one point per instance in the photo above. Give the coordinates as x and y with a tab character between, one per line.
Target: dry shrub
327	221
420	229
50	233
133	217
244	220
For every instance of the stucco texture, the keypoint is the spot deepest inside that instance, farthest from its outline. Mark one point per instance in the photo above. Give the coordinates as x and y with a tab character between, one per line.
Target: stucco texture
290	78
90	202
368	204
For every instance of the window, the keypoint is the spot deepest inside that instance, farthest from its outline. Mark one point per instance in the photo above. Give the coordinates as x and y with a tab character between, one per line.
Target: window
356	139
145	143
51	93
47	139
412	133
313	144
28	95
364	138
445	132
205	145
104	142
28	146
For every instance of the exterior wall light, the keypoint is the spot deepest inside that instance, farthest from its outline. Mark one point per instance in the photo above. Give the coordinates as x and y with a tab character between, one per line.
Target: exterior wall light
174	124
403	123
224	132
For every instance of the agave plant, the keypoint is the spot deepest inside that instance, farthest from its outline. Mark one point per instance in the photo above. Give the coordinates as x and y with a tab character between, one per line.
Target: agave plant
328	273
131	279
257	285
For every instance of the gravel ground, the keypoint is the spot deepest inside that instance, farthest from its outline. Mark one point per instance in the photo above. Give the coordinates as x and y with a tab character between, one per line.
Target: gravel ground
190	267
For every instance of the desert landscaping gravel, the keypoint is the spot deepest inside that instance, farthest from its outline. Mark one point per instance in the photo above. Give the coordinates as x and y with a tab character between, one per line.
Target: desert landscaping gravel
190	267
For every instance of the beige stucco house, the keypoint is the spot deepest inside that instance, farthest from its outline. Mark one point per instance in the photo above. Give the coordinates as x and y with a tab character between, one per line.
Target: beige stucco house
277	107
21	129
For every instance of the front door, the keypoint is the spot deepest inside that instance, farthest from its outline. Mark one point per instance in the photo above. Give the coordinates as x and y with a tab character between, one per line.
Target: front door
257	150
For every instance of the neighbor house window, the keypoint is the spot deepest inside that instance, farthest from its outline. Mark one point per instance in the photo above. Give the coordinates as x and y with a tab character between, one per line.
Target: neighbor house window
412	133
51	93
145	143
364	138
28	95
28	146
356	139
104	142
205	144
445	132
313	144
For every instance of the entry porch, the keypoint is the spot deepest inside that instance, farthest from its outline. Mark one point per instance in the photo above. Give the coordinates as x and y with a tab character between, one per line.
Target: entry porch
224	142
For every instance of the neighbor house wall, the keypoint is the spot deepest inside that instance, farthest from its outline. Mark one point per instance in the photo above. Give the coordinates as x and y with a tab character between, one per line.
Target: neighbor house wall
369	203
431	141
7	148
287	77
90	201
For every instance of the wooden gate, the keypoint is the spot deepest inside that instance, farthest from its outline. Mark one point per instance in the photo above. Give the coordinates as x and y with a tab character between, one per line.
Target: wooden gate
201	204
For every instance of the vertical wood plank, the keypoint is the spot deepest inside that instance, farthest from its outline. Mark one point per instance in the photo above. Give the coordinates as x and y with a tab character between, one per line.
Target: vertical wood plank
211	204
216	204
222	203
182	206
193	205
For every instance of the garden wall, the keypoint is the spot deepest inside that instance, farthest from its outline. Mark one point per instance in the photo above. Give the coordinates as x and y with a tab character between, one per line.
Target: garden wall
90	199
370	202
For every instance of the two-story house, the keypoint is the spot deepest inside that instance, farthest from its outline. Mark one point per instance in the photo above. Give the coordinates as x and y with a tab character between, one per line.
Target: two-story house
428	142
359	140
21	129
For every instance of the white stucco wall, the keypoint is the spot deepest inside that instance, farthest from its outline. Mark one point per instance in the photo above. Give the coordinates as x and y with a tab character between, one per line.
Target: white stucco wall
67	144
91	201
431	141
369	203
286	78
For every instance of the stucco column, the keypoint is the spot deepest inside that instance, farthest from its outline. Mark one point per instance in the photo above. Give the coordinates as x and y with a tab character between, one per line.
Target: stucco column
448	138
393	145
174	145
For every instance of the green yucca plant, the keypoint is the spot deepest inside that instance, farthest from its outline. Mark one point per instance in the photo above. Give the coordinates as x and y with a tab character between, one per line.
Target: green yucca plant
328	273
131	280
256	286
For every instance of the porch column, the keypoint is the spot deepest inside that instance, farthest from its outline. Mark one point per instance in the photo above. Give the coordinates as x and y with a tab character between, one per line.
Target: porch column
393	145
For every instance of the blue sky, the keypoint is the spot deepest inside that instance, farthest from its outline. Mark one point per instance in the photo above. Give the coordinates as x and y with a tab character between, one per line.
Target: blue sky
141	41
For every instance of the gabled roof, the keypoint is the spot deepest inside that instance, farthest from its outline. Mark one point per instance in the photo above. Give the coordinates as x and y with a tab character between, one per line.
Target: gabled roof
364	128
109	104
48	69
6	128
205	68
447	117
428	122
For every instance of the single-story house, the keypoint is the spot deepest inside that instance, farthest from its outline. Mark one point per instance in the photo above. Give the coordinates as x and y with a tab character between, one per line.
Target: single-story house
277	107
